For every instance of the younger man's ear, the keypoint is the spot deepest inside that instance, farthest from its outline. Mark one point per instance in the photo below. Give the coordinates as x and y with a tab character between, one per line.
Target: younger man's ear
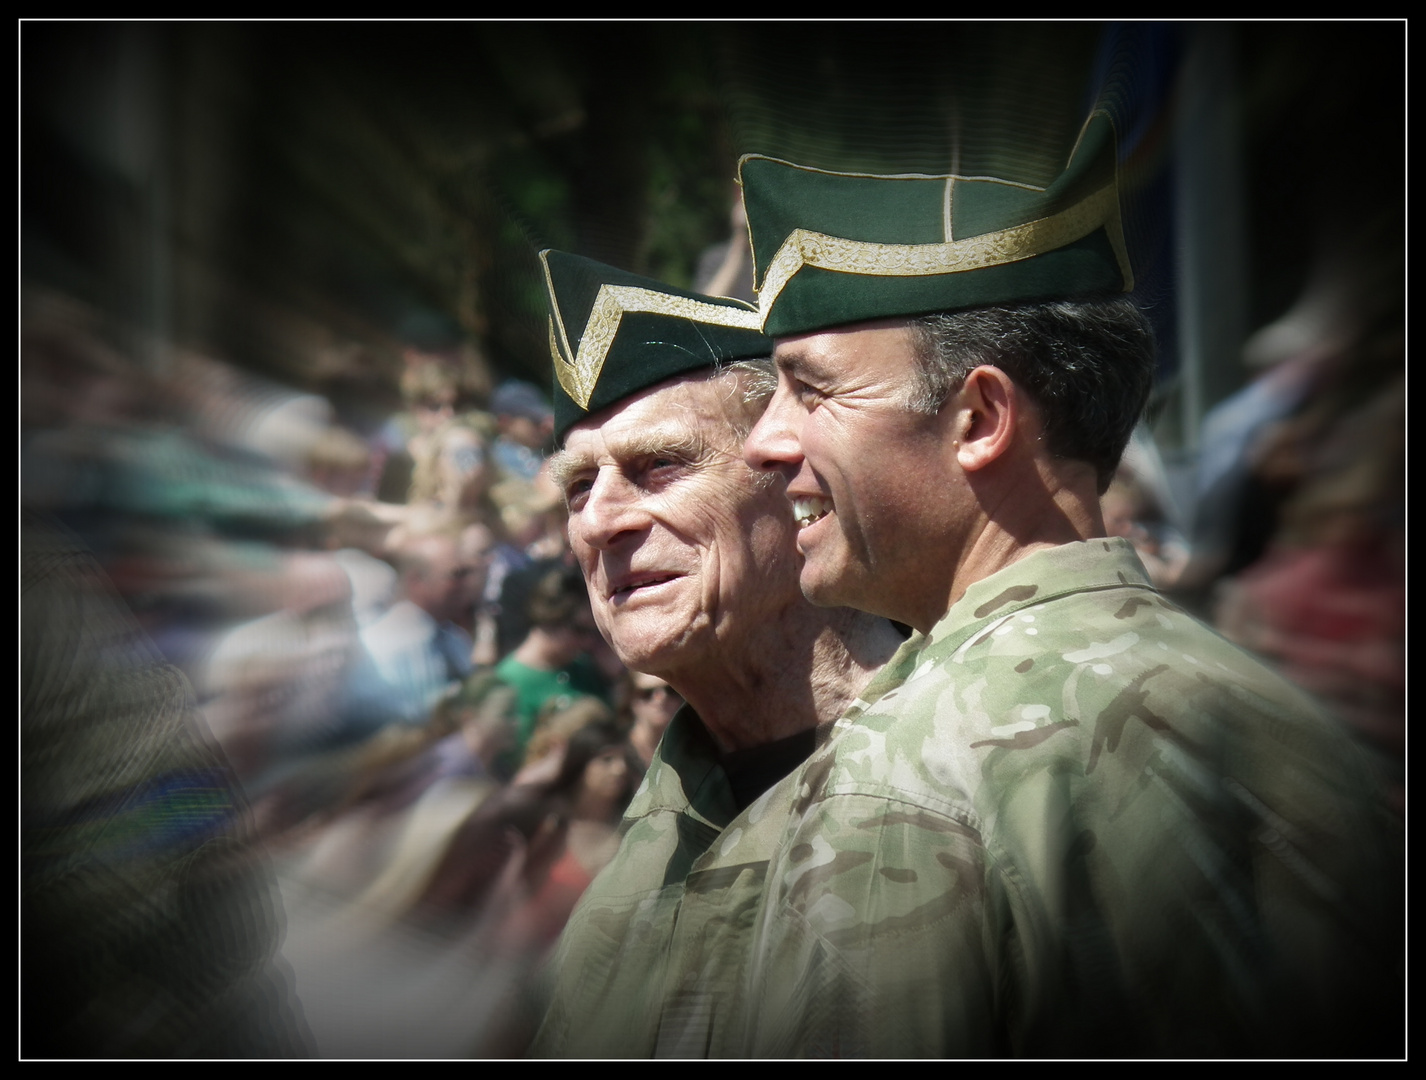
987	409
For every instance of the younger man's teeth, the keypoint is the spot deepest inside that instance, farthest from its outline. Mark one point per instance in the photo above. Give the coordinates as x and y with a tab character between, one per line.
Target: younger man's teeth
805	511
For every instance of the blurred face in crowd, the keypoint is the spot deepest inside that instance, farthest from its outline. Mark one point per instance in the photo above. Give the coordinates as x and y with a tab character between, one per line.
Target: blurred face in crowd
654	702
684	548
525	430
475	551
435	409
462	475
1120	510
579	635
434	580
607	774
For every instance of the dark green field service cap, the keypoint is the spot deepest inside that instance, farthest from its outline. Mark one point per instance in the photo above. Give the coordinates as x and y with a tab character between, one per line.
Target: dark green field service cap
836	248
613	334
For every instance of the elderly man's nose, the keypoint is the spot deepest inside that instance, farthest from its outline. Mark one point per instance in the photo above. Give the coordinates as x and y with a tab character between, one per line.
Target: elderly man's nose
612	510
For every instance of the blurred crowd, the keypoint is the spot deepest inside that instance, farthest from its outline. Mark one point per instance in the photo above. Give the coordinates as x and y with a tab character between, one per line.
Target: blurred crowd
375	606
1293	539
383	629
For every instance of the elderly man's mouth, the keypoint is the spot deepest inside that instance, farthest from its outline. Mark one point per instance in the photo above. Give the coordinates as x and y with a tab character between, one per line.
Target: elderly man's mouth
644	582
809	509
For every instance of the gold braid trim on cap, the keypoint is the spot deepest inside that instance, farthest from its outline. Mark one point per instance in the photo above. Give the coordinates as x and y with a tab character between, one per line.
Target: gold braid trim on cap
825	252
555	319
555	356
612	302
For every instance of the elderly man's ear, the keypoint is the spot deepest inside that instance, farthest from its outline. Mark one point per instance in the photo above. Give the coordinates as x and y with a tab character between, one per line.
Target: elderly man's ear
988	409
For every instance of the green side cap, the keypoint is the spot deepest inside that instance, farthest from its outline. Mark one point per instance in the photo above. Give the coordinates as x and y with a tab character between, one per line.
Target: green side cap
831	248
613	334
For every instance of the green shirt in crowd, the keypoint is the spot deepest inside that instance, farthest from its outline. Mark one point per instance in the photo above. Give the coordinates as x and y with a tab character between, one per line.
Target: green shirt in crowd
536	688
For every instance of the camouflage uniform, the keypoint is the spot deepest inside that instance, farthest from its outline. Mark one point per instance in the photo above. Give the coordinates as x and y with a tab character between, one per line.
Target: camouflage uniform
1070	820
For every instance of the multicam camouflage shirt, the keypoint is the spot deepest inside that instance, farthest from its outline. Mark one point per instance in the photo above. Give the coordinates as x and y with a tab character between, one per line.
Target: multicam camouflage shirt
1070	820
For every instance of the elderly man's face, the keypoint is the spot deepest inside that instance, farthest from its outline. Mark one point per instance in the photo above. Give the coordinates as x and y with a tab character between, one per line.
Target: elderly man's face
683	547
872	485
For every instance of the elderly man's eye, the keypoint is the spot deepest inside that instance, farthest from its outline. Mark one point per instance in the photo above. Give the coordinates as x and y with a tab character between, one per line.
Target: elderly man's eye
662	464
576	490
657	470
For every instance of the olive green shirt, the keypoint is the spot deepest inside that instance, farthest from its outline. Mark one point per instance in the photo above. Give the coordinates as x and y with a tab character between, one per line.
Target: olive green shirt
1070	820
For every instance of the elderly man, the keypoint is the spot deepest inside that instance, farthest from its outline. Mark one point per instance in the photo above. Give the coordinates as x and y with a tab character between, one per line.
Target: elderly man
1066	819
691	566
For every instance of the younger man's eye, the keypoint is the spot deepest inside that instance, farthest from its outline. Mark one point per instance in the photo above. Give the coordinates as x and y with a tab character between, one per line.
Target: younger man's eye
804	391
